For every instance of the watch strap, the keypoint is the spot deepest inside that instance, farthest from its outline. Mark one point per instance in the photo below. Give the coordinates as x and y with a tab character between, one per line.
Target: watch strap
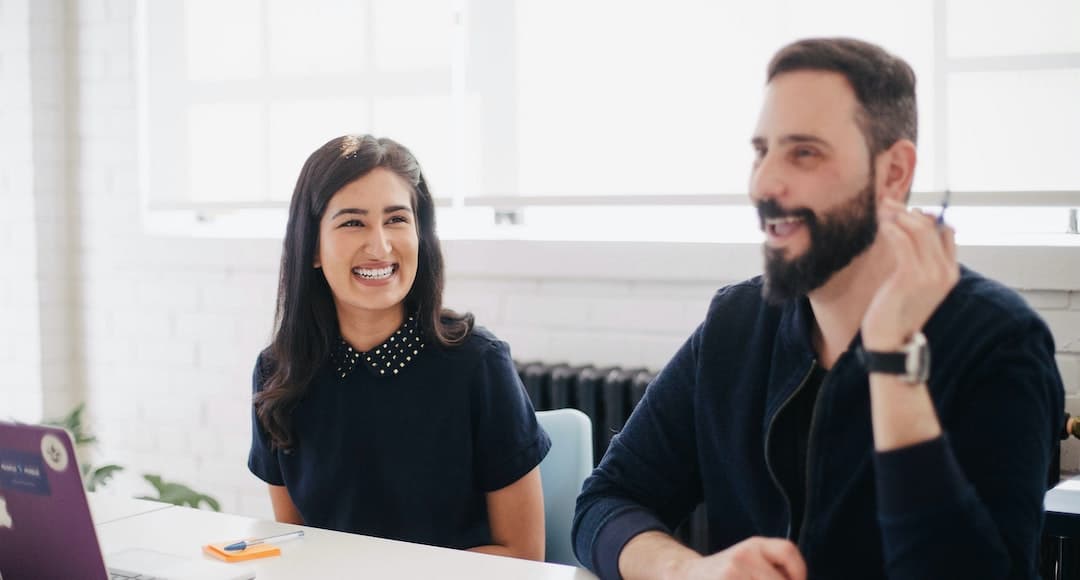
893	363
912	363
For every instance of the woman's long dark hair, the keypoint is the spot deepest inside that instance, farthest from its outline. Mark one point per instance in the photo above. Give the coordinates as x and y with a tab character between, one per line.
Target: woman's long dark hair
305	320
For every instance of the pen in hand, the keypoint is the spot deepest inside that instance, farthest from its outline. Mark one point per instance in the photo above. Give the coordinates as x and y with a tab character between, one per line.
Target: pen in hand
944	206
244	544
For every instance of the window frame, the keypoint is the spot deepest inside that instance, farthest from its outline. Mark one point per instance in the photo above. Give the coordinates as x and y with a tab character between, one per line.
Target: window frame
217	219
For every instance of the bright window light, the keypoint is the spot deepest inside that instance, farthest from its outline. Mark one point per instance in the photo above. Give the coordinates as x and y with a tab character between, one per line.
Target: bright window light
642	100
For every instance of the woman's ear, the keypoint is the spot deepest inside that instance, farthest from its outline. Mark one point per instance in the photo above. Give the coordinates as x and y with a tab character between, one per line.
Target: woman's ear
896	170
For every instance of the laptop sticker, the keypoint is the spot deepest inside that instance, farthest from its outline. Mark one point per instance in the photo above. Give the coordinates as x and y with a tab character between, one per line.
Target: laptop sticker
25	472
54	453
5	516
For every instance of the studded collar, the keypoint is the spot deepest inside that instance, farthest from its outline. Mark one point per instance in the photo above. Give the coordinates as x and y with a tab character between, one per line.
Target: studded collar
388	359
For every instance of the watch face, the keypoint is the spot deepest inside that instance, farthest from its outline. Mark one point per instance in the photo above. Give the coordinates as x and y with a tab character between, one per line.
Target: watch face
912	364
924	363
918	359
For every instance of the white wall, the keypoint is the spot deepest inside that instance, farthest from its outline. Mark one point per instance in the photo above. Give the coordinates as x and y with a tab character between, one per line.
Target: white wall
56	211
20	384
163	332
36	285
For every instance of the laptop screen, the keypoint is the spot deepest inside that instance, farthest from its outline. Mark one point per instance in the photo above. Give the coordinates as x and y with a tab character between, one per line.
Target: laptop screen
45	526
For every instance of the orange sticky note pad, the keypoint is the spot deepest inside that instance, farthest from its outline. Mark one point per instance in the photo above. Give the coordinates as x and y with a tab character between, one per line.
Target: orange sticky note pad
249	553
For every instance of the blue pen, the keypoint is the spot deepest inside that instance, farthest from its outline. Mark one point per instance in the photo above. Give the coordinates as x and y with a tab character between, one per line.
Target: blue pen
944	206
245	544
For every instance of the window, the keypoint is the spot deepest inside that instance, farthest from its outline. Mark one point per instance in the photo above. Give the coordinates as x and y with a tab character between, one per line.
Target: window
629	112
237	94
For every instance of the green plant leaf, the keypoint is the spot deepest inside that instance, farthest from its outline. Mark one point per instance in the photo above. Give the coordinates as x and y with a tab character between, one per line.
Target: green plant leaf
100	476
73	422
97	477
178	494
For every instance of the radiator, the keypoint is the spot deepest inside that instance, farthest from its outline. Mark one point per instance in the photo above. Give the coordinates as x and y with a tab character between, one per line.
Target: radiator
607	395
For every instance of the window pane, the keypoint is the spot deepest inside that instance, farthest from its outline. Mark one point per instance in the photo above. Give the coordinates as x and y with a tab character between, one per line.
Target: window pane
413	34
317	37
226	149
223	39
569	97
423	125
297	129
1014	130
480	174
907	33
624	223
1008	27
666	103
1018	225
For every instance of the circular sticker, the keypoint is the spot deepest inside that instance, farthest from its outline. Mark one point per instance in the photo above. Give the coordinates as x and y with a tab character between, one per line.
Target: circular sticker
52	449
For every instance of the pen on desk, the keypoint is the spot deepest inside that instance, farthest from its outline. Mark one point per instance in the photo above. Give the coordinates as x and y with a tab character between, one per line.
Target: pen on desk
244	544
944	206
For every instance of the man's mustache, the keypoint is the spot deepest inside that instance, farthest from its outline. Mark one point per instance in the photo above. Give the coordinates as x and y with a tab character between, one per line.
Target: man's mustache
769	209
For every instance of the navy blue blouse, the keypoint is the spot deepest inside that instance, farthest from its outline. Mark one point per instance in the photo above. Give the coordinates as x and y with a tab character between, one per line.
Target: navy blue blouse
406	455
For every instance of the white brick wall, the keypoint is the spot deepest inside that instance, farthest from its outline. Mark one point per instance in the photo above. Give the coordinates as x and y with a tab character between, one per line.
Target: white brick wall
165	331
21	390
56	259
1060	310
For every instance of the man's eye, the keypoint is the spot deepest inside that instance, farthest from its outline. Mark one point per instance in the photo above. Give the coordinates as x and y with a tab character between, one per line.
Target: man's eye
804	152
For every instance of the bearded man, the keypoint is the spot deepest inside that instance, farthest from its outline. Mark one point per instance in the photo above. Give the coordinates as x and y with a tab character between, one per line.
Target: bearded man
868	408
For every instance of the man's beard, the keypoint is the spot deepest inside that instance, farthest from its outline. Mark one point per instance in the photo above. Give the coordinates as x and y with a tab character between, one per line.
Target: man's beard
835	240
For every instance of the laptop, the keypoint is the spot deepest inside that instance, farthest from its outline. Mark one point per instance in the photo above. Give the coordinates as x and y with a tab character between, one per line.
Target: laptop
46	531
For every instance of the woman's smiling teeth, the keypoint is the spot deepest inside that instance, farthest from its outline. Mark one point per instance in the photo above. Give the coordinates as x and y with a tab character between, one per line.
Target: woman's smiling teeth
375	273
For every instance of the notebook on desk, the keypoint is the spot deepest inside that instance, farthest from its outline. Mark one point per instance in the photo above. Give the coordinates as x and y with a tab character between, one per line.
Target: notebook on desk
46	531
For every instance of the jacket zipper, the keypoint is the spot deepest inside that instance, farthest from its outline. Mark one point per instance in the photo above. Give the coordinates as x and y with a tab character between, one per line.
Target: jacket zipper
768	440
809	462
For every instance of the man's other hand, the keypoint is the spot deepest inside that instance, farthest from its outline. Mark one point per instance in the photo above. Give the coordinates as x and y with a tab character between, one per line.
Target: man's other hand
751	559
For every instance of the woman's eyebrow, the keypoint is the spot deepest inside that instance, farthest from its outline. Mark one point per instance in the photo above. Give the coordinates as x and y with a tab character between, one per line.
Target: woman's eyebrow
348	210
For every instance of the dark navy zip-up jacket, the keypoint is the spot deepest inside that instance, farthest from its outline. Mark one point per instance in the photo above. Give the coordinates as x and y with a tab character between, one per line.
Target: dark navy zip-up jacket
968	504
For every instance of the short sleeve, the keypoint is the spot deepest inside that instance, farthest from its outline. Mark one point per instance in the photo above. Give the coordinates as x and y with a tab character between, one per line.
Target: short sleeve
508	442
262	459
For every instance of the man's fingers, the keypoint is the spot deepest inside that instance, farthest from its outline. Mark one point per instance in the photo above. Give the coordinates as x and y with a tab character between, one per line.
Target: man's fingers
754	558
898	237
923	231
903	248
785	557
948	240
924	249
749	562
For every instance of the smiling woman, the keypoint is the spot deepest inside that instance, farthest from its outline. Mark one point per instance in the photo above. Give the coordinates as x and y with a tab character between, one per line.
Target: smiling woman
376	410
367	248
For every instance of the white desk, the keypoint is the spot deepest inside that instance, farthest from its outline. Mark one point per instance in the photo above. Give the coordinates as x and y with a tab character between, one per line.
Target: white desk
320	554
1062	527
109	508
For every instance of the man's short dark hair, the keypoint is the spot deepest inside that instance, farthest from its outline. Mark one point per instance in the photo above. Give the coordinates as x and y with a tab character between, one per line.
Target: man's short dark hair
884	84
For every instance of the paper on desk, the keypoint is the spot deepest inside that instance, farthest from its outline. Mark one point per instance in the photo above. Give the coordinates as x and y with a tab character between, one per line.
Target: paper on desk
250	553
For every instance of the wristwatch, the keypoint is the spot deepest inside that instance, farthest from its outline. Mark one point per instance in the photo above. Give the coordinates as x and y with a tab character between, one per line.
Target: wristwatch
912	363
